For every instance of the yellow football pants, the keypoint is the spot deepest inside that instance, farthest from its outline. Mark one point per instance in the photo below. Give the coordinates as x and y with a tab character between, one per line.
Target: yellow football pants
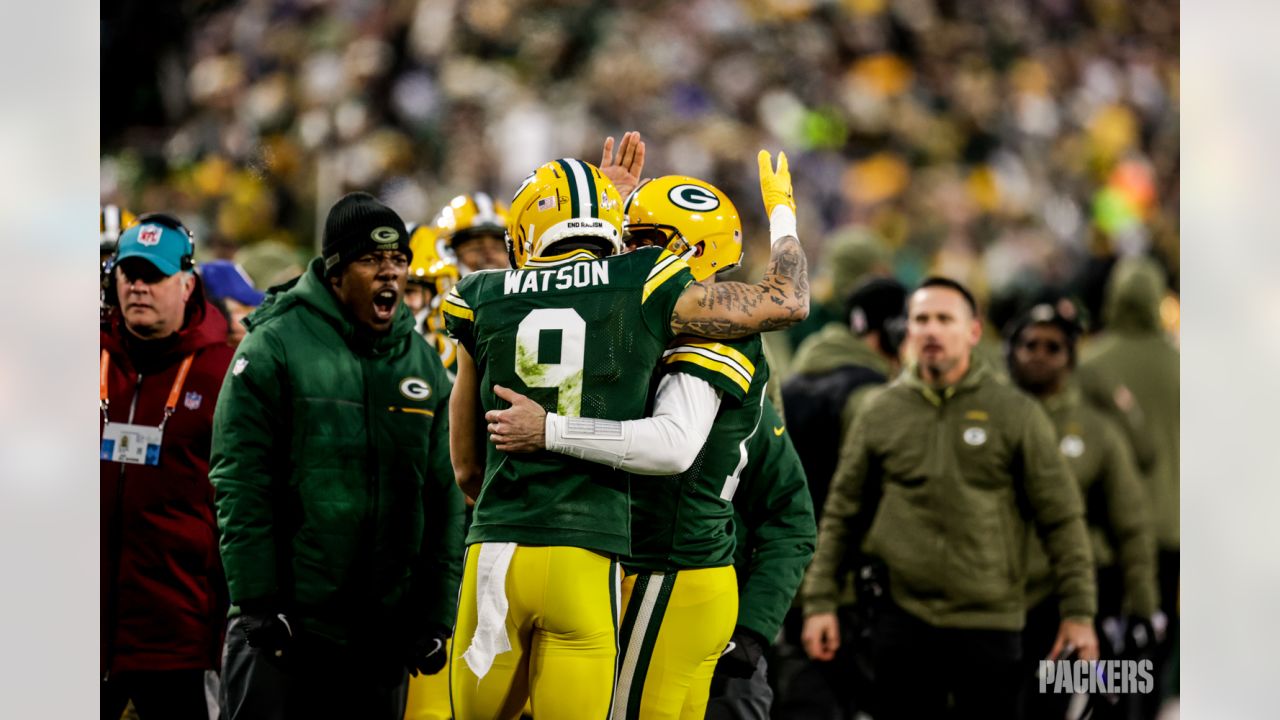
429	696
674	628
562	621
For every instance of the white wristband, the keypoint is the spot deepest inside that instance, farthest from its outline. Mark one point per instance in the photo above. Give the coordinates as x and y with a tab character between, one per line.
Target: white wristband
782	223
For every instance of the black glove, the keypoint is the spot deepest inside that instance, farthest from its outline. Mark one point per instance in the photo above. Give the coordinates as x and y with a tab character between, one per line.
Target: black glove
429	653
741	656
264	628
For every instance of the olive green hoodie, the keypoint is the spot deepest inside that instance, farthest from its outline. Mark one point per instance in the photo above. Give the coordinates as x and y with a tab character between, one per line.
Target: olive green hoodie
944	488
1116	506
835	346
1135	352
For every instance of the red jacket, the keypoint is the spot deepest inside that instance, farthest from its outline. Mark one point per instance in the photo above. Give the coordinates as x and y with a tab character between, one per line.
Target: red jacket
163	601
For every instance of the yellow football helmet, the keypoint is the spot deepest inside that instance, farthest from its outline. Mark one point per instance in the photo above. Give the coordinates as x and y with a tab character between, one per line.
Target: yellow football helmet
433	264
113	220
565	199
689	217
468	215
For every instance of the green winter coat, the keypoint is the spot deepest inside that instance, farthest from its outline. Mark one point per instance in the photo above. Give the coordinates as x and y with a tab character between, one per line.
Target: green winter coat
774	527
1135	352
944	488
330	461
1116	506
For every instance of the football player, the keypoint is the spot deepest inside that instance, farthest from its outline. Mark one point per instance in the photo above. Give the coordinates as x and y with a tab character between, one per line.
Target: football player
432	273
473	228
540	594
680	591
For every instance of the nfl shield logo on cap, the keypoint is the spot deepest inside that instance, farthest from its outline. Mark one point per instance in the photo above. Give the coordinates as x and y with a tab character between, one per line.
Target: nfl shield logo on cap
149	235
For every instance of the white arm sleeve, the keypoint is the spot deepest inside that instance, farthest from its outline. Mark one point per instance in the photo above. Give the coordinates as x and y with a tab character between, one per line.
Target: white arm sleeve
666	443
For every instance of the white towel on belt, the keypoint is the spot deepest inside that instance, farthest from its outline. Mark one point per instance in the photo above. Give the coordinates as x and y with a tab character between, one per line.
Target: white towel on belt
490	639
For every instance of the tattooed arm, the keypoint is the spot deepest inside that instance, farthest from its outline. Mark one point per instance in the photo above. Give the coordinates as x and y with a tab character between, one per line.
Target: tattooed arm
735	309
779	300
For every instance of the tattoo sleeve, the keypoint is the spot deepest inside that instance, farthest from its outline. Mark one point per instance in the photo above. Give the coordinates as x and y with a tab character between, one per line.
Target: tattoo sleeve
735	309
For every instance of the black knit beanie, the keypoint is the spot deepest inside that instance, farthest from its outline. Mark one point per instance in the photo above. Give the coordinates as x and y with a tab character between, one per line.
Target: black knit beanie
358	224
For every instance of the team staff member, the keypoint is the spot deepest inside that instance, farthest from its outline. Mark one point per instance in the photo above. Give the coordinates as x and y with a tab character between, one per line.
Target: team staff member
163	355
775	535
573	344
1042	352
938	495
341	527
1135	351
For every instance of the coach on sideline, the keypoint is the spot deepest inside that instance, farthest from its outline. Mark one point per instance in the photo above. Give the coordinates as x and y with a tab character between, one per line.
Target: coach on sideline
341	524
940	479
163	354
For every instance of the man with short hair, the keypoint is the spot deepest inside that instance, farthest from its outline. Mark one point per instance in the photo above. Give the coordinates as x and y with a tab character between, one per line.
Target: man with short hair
163	356
941	477
341	525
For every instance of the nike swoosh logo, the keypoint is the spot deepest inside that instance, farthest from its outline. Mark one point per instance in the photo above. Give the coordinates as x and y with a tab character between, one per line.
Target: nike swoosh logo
778	430
729	648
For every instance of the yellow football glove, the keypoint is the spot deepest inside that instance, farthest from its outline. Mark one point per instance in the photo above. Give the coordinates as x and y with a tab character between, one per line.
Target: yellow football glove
775	187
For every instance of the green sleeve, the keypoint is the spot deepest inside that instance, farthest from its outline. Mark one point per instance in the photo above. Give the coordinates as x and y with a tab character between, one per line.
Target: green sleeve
779	532
856	471
1129	520
730	366
1058	511
665	281
459	315
247	464
439	567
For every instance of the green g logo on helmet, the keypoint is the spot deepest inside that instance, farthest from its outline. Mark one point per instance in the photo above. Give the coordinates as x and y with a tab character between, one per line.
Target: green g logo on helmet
693	197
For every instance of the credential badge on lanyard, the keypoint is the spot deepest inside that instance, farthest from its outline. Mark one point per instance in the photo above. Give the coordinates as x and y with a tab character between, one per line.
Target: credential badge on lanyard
129	443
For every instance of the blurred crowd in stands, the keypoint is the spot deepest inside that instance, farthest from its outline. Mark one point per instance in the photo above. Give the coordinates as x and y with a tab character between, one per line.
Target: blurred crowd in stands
1014	145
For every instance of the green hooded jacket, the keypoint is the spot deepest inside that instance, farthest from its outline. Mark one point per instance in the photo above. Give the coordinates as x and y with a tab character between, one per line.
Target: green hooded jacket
944	487
331	466
774	527
1116	506
1135	352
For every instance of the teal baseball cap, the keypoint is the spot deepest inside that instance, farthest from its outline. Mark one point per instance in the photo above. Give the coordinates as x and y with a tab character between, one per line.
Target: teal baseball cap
160	241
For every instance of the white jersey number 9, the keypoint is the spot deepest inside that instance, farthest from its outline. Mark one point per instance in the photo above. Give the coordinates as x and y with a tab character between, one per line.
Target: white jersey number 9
565	375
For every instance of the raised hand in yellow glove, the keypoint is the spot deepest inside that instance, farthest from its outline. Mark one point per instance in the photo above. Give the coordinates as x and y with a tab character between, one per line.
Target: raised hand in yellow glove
775	188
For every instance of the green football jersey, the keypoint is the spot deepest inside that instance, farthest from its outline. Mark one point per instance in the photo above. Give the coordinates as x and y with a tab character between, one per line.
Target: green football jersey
686	520
569	332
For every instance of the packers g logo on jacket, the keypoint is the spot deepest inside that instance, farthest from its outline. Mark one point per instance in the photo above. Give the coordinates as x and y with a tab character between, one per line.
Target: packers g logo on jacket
563	199
415	388
699	221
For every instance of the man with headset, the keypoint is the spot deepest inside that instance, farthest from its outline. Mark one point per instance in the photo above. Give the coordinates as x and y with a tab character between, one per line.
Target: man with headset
163	356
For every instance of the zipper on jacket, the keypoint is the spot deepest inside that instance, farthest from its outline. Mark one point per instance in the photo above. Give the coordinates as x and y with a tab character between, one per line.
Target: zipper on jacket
117	546
371	472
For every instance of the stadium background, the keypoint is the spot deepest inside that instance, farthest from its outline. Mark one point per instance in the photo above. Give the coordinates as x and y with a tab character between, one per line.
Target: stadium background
1015	145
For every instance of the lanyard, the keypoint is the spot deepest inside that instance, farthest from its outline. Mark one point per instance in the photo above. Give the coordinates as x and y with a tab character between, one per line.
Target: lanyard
169	406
